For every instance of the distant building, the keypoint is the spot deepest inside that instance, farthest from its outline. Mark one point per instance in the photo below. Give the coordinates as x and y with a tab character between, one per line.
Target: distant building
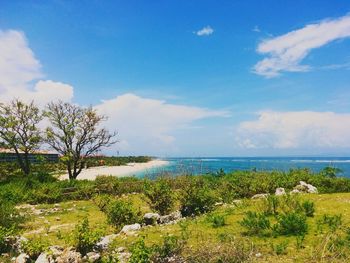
9	155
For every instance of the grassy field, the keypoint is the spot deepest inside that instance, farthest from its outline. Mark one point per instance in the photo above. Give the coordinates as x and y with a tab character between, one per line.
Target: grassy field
199	230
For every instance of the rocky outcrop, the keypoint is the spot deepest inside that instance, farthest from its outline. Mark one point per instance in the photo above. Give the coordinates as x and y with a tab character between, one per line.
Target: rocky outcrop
22	258
306	188
260	196
280	191
92	257
104	243
130	229
171	218
151	218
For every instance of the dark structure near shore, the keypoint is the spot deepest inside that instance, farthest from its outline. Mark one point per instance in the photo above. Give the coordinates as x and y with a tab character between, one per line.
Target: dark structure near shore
8	155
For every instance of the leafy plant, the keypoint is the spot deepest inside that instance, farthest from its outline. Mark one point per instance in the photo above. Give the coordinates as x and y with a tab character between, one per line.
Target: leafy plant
309	208
160	195
281	248
197	198
84	238
291	224
140	253
255	223
216	220
170	247
120	213
34	247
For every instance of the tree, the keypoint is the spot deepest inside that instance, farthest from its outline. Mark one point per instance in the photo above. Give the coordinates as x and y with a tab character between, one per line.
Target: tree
19	130
75	134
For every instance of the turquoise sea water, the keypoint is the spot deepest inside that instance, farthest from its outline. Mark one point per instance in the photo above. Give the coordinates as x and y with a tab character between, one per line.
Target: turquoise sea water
228	164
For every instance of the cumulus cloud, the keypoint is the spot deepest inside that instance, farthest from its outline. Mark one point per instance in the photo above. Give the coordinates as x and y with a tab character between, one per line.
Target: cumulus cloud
205	31
285	52
19	69
301	129
149	124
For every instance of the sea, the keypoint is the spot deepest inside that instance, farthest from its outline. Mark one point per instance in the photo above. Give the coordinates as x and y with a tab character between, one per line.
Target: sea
200	165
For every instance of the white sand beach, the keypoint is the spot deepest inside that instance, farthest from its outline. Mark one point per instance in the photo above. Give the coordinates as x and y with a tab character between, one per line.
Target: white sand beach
123	170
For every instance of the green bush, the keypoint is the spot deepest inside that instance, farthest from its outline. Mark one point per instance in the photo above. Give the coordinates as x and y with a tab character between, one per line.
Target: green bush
280	248
309	208
332	221
9	216
34	247
271	204
4	233
293	223
197	198
217	220
120	213
84	238
140	253
256	223
170	247
160	196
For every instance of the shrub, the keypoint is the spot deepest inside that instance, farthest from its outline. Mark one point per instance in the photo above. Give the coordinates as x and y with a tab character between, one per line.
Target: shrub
291	224
196	199
238	250
255	223
280	248
171	247
120	213
309	208
271	204
34	247
217	220
4	233
102	201
9	216
160	196
84	238
333	222
140	253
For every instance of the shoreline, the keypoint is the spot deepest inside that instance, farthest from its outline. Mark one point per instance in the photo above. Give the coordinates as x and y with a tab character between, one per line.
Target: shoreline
118	171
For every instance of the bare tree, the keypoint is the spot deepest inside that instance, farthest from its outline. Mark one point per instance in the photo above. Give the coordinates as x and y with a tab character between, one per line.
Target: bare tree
19	130
75	134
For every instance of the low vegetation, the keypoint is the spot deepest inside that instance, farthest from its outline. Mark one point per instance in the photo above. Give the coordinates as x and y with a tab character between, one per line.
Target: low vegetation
222	223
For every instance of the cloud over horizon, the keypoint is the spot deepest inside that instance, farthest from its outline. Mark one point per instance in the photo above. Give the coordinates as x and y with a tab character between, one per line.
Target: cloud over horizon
205	31
285	53
19	69
293	130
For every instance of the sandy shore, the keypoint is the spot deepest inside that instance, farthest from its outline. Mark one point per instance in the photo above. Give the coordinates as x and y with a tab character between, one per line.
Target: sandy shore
123	170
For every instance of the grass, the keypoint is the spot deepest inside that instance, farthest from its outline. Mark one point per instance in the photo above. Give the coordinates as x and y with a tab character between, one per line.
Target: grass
199	229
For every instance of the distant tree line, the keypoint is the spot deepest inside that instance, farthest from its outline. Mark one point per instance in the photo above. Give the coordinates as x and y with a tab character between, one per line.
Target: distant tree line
74	132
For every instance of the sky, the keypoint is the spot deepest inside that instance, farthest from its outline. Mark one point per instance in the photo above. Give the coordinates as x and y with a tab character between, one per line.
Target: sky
189	78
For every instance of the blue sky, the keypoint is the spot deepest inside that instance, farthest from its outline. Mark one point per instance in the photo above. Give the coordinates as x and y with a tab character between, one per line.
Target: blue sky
190	78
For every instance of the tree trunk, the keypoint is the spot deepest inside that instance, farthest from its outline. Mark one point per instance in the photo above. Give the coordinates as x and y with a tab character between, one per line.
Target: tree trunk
20	161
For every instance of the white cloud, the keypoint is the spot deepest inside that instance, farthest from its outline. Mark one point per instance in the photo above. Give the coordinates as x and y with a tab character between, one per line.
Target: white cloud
256	29
205	31
286	52
149	124
19	68
301	129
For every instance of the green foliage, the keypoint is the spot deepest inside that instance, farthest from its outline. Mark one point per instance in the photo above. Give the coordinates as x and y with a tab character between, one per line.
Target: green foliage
120	213
293	223
114	160
216	220
280	248
4	233
160	196
34	247
332	221
84	238
271	204
197	198
255	223
331	171
309	208
170	247
140	253
9	216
